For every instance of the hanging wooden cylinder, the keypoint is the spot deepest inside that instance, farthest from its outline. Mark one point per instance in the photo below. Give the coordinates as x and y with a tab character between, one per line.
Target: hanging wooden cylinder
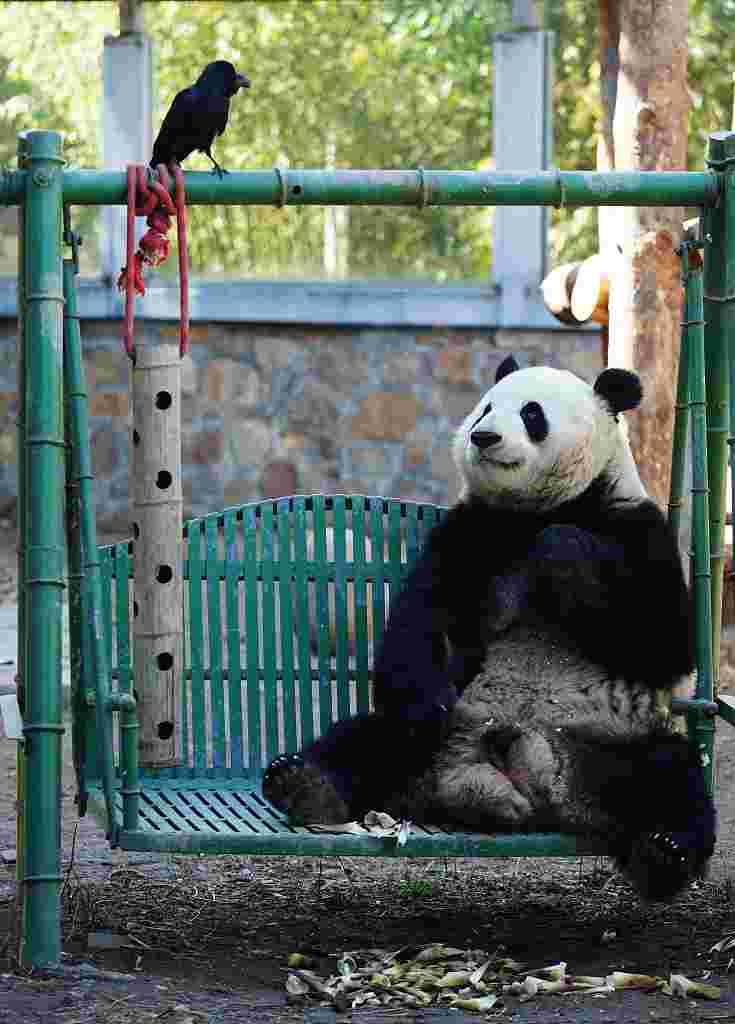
155	478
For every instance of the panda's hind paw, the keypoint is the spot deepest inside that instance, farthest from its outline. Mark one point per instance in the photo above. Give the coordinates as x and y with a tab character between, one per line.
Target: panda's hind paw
662	847
667	849
280	764
303	790
663	863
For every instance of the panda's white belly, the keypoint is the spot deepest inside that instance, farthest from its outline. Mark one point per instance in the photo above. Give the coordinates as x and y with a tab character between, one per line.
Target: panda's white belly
531	678
508	759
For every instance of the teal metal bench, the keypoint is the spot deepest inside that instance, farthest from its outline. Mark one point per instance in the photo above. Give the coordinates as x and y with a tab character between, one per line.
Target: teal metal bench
285	601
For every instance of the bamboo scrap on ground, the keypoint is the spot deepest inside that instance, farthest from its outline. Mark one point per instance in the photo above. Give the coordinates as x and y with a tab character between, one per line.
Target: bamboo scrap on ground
473	980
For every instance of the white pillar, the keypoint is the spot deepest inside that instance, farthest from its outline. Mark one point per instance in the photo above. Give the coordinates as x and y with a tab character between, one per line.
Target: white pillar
522	141
127	127
524	13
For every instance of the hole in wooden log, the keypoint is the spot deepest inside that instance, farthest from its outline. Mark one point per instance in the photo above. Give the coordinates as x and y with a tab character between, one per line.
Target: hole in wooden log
164	574
296	190
165	730
165	661
164	479
136	437
163	400
136	531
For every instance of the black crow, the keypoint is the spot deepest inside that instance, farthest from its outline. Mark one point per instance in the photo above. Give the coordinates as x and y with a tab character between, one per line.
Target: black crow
198	115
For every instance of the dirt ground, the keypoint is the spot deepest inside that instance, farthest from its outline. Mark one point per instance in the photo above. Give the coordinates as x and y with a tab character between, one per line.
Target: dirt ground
194	940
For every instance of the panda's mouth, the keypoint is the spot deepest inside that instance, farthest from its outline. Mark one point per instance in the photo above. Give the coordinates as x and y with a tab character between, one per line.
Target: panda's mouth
504	464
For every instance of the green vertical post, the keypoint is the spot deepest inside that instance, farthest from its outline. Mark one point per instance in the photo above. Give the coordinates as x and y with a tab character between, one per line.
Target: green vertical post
84	558
44	556
679	443
719	314
75	557
21	544
701	726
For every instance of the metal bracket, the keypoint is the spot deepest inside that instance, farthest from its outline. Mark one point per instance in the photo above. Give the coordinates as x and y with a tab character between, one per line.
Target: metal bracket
560	185
283	185
72	238
425	191
719	164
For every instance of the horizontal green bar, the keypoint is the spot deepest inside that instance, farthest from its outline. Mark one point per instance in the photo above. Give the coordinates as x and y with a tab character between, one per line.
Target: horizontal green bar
238	571
302	843
401	188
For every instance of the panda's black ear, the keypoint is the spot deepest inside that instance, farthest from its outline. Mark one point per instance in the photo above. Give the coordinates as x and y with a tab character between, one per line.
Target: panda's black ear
508	365
621	389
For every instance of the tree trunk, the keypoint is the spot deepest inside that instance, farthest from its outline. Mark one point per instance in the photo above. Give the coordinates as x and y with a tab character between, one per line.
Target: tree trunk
608	222
649	134
609	68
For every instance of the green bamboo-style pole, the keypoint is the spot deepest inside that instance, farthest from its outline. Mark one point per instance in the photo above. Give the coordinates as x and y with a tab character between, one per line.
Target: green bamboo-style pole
21	543
294	187
90	597
76	573
719	313
44	554
701	726
681	427
129	729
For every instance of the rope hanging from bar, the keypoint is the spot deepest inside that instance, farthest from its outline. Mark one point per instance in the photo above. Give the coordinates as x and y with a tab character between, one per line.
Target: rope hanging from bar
150	198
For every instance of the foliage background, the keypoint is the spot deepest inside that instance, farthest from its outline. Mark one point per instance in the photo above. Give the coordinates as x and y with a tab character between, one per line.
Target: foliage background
363	83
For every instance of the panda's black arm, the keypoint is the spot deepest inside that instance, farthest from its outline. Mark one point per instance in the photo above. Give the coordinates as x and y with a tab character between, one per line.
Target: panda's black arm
654	600
620	594
411	678
449	595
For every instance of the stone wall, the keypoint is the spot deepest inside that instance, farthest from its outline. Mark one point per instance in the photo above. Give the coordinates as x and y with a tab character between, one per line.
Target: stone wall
274	410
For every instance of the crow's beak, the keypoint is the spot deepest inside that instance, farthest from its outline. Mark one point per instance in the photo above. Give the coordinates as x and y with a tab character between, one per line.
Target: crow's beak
243	82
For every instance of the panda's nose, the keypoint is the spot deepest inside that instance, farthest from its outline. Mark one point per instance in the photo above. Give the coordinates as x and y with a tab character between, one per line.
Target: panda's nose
485	439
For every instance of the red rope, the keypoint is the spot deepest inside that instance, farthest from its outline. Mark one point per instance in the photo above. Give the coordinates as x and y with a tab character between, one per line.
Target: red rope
129	343
183	260
153	201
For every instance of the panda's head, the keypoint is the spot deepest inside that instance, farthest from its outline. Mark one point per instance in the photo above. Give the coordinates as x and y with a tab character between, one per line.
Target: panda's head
541	436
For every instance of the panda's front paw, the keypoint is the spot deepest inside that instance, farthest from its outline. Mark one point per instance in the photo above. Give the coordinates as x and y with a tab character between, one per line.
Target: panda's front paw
433	712
511	595
410	708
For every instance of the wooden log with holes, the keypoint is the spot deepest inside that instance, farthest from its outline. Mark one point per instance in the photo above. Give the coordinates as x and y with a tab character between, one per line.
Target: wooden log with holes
155	478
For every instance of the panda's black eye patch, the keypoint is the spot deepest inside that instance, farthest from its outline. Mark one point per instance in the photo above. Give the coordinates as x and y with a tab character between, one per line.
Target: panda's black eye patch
483	414
535	421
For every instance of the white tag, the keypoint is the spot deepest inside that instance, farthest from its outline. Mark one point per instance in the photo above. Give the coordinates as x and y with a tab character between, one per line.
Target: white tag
11	717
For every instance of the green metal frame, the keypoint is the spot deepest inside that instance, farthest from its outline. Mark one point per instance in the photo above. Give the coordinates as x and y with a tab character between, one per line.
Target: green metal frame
213	802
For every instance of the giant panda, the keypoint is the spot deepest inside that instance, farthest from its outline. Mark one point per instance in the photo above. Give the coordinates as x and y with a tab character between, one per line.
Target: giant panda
524	677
